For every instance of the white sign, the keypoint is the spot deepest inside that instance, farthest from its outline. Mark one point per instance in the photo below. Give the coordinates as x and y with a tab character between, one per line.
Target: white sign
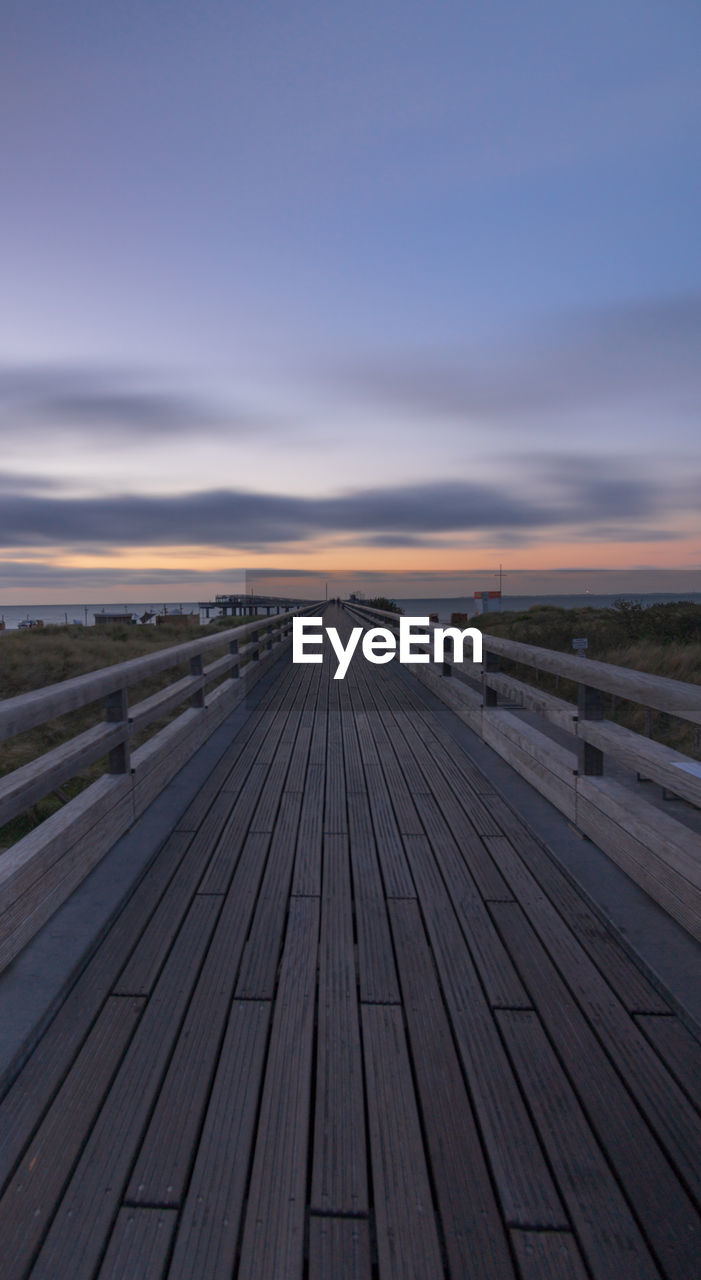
580	643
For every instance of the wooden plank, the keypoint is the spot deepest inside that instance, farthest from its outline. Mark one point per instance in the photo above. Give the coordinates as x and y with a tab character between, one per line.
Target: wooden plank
79	1231
514	731
37	1183
473	1231
317	746
141	971
261	953
554	710
209	793
679	1049
407	1239
227	774
454	807
339	1249
23	787
210	1221
339	1167
676	845
29	912
33	1087
27	710
273	1235
644	755
215	819
300	755
544	875
160	758
376	969
290	697
463	701
473	848
159	704
674	697
525	1188
410	704
496	970
268	803
537	770
255	734
355	777
361	720
306	879
645	1174
223	863
405	819
548	1255
388	841
165	1156
665	1107
335	819
610	1238
444	765
644	859
139	1245
31	857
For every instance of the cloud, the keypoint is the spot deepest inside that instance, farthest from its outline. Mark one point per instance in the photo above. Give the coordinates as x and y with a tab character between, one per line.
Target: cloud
580	493
108	406
641	354
12	482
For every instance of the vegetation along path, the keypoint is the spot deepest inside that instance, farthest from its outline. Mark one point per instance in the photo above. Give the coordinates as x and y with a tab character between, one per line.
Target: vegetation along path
354	1022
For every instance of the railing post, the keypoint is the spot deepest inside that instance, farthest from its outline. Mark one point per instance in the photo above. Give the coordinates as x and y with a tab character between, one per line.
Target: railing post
196	669
116	712
491	664
255	637
269	636
234	671
590	706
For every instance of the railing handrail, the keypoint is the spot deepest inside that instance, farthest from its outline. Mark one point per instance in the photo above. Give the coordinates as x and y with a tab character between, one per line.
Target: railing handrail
27	710
661	693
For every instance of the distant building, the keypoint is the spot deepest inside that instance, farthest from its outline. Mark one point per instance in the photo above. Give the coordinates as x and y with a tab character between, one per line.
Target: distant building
178	619
114	619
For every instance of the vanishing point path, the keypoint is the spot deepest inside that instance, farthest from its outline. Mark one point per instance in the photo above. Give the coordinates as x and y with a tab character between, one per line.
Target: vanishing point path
354	1021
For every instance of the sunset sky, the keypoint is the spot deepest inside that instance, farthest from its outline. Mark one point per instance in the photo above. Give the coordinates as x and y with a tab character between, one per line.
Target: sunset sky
383	285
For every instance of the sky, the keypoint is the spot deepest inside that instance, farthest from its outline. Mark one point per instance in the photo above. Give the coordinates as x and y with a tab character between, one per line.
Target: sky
383	287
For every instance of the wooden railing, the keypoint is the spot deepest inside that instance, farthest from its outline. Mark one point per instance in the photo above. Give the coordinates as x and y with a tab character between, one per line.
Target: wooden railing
39	871
658	851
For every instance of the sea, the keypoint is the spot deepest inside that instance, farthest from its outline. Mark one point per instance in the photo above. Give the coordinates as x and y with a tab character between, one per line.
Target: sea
62	614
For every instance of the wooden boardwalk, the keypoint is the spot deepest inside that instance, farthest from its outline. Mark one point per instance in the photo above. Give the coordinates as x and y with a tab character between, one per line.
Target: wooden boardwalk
354	1022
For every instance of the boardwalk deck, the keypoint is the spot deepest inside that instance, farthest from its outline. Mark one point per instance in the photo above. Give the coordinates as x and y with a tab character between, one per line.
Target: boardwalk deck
354	1022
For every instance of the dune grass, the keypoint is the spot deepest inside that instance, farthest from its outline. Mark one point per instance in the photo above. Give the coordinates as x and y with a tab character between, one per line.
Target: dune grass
34	659
664	640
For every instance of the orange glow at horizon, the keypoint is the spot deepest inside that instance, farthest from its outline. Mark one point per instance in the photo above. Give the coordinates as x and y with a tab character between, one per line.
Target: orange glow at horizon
330	556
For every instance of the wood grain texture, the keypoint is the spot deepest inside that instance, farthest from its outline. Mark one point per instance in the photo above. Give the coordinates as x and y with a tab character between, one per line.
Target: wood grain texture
319	1076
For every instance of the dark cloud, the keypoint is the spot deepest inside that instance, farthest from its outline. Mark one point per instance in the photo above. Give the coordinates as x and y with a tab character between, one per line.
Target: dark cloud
19	573
12	482
636	354
387	516
107	405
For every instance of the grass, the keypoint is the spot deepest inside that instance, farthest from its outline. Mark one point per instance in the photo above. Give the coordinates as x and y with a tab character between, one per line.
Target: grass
34	659
664	640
